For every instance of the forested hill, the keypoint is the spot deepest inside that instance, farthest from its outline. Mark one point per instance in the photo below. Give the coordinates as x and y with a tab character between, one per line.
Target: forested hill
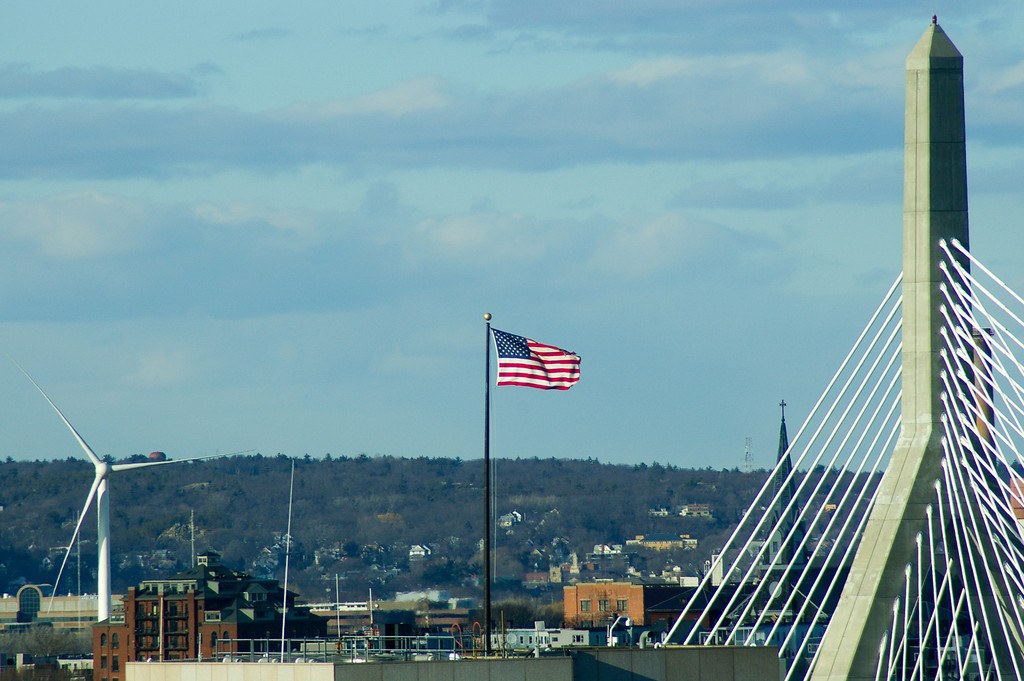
355	519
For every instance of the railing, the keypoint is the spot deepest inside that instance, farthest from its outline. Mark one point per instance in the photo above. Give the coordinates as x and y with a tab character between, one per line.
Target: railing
350	648
362	648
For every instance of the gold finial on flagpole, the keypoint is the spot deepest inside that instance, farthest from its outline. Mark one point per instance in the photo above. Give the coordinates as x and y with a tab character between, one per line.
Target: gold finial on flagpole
487	316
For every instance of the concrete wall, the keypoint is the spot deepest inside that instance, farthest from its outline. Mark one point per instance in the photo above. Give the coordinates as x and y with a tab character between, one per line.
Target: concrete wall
593	664
227	671
694	663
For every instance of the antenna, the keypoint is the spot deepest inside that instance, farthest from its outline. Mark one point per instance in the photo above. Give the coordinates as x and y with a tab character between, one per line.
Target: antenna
78	592
287	546
748	457
192	531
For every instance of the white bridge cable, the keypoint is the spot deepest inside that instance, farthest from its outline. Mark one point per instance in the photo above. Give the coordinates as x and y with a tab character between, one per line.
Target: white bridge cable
993	484
852	429
867	383
991	459
944	535
963	559
998	536
993	400
889	306
846	478
960	613
998	350
1001	331
865	496
845	509
1007	419
974	563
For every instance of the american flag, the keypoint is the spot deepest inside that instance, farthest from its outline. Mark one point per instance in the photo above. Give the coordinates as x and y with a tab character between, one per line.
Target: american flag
522	361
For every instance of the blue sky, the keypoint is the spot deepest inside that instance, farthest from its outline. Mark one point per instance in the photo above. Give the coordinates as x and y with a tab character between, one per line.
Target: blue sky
270	227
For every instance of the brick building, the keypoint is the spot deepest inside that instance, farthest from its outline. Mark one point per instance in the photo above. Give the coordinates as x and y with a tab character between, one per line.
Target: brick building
595	604
198	614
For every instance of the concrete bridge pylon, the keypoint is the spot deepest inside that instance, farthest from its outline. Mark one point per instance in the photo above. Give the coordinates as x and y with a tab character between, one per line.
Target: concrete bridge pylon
934	209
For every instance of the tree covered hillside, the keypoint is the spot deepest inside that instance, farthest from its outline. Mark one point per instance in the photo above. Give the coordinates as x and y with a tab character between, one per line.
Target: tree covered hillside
355	519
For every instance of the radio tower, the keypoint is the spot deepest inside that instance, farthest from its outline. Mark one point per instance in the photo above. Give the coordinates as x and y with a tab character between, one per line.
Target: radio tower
748	457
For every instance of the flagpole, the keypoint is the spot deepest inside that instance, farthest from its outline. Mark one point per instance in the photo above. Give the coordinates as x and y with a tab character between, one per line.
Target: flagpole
487	489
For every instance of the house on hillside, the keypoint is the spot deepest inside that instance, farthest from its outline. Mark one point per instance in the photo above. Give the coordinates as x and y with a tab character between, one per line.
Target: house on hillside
695	510
663	541
509	519
419	551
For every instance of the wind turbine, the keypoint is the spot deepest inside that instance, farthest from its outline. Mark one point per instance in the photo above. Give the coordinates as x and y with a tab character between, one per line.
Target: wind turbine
98	490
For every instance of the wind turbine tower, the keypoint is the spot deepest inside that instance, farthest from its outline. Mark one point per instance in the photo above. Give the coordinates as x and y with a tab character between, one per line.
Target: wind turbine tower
98	491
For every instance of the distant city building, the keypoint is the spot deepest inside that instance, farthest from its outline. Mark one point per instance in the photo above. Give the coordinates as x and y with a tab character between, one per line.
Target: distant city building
427	595
595	604
32	605
539	637
537	577
204	612
662	542
1017	499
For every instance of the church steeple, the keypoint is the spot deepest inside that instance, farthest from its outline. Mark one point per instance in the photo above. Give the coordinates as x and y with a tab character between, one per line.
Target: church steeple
783	436
783	466
783	520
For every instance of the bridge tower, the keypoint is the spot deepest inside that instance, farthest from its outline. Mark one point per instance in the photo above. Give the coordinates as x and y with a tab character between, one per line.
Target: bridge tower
934	208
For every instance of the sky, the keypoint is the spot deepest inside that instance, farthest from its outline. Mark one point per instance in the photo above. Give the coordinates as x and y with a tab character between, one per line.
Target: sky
277	226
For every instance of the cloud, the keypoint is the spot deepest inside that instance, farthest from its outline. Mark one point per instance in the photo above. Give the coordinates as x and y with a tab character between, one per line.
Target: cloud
20	81
76	226
667	26
735	194
95	256
484	238
161	368
748	106
261	34
649	245
411	96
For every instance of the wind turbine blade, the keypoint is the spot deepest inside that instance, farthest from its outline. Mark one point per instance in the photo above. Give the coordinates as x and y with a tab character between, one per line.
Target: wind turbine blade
145	464
88	450
85	509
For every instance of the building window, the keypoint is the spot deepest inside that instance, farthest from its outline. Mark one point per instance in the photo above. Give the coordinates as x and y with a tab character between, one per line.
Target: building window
602	605
103	639
114	642
585	605
115	664
103	661
622	605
